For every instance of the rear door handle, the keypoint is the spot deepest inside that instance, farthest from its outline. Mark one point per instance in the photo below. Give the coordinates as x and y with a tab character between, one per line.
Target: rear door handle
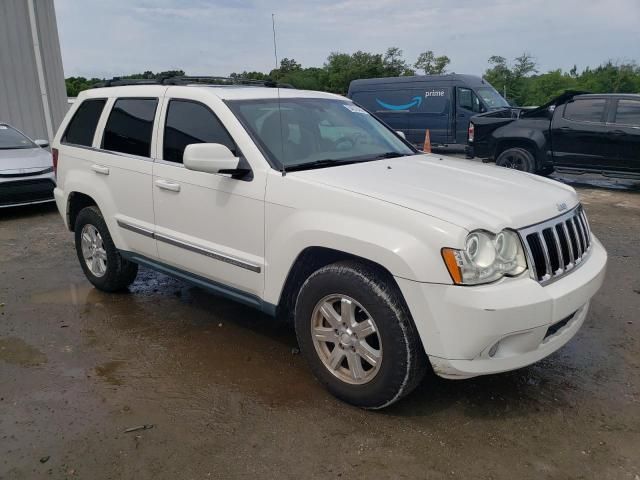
165	185
101	169
565	128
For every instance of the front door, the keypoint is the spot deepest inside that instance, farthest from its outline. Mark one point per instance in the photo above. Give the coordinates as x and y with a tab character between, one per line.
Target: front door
467	105
210	225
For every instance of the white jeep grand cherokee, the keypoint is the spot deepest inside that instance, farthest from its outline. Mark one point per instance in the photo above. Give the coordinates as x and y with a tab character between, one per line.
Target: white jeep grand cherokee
304	205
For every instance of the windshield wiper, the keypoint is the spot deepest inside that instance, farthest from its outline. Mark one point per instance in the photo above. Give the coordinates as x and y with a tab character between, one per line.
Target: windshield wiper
387	155
333	163
317	164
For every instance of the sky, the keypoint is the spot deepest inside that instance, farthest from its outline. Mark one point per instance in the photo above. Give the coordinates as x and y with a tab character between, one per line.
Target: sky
216	37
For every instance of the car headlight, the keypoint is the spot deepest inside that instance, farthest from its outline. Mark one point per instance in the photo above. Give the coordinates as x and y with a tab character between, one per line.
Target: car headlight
486	258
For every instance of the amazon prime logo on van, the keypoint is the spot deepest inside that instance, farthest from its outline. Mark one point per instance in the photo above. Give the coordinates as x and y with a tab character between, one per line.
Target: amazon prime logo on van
434	93
415	102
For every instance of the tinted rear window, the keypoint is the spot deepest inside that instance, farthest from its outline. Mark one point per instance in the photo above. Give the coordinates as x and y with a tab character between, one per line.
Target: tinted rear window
628	112
130	126
83	125
585	110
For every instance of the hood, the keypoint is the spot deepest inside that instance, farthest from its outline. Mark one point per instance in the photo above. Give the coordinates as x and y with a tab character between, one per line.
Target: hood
463	192
27	160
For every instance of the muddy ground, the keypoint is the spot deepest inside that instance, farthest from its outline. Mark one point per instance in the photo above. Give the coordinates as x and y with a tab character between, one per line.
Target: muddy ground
228	397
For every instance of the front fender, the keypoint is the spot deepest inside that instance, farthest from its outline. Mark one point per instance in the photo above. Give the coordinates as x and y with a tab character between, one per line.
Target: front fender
408	247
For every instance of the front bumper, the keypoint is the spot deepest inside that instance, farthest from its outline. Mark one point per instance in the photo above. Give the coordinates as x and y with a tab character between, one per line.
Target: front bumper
471	331
26	190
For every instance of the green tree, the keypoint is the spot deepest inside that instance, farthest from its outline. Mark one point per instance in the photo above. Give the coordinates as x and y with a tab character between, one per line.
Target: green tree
432	65
394	63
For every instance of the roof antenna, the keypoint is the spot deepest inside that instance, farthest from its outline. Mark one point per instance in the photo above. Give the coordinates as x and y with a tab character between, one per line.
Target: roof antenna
275	56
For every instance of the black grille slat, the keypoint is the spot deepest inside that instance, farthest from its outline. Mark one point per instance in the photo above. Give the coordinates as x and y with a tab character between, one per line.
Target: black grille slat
556	246
550	240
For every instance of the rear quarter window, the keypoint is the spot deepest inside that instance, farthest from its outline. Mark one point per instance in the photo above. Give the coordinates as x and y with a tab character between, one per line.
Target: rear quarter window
628	112
82	126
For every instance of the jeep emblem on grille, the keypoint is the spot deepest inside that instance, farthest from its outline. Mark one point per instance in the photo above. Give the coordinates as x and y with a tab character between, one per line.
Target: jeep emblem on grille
561	207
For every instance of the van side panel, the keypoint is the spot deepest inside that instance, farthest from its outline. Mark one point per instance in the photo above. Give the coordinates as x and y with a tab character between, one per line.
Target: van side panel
411	108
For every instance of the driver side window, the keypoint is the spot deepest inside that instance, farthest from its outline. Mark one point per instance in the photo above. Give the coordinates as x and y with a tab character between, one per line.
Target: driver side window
468	100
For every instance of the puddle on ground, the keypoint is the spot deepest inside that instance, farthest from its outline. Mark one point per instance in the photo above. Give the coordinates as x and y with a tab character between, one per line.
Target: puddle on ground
18	352
71	295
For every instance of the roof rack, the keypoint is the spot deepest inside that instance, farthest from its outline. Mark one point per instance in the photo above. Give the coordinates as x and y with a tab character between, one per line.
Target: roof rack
190	80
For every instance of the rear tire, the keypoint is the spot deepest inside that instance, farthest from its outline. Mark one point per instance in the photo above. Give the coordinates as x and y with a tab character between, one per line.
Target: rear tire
367	322
517	158
99	258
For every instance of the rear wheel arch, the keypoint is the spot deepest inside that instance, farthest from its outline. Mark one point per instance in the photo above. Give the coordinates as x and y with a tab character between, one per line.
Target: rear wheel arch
309	261
524	143
75	203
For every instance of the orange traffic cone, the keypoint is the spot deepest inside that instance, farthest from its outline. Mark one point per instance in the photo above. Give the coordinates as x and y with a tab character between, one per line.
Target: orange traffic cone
427	142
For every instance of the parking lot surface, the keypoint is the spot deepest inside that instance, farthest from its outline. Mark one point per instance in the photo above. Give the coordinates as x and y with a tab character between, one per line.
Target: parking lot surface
223	394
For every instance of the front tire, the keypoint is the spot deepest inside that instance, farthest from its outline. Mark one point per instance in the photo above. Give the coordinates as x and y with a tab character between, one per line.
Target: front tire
99	258
357	335
518	159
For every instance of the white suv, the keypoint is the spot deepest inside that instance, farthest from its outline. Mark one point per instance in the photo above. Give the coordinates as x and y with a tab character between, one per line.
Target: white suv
303	205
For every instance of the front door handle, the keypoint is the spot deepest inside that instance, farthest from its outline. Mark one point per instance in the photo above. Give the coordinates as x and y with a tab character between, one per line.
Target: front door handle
165	185
101	169
618	133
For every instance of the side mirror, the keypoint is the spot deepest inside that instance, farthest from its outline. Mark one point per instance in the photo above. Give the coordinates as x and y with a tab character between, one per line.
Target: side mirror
42	143
211	158
401	134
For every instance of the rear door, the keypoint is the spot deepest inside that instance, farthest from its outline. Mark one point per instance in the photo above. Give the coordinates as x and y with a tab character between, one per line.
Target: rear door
625	133
580	137
124	163
468	104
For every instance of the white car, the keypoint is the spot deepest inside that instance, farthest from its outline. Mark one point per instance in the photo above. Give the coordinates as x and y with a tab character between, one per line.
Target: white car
26	169
303	205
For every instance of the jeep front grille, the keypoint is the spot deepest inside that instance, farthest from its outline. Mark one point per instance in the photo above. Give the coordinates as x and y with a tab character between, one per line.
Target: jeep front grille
557	246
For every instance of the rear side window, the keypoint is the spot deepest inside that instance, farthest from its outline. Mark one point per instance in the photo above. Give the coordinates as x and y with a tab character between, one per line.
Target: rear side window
585	110
628	112
83	125
190	122
130	126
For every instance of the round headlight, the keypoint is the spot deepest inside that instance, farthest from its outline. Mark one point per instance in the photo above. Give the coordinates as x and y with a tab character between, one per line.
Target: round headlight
507	246
480	249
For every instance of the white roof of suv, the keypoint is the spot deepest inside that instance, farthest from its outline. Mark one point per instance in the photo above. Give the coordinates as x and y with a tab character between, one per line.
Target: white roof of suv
224	92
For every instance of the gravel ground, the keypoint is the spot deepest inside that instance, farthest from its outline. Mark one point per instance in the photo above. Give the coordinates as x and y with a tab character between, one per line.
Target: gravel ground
226	396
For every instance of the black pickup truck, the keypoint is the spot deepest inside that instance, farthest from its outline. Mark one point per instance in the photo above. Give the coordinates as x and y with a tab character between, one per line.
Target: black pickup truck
574	133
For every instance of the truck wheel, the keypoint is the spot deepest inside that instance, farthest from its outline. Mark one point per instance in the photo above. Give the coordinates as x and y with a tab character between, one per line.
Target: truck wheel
357	335
518	159
100	260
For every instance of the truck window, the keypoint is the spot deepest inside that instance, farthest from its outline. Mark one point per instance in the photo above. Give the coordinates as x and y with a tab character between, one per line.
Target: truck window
585	110
628	112
468	100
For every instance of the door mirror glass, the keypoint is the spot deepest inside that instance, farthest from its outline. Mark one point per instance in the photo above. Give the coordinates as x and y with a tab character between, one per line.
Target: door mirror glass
210	158
42	143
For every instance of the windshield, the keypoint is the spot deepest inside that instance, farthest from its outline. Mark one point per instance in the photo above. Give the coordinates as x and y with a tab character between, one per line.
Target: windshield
491	97
11	139
314	132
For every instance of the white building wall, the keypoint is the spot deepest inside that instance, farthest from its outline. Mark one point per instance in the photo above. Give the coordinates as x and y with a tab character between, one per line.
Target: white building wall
28	56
